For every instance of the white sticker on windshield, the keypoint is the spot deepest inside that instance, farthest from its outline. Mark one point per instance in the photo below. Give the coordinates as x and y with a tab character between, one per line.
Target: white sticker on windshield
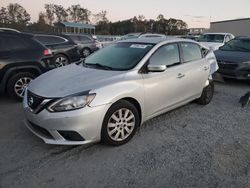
141	46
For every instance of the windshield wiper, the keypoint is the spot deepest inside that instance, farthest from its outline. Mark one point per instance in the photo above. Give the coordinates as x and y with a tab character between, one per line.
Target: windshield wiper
98	65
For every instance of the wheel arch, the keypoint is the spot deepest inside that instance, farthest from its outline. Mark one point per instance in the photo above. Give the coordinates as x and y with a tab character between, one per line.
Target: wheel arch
12	71
135	103
64	54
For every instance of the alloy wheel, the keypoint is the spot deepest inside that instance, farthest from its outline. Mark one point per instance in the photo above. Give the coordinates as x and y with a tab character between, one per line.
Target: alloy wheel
61	61
86	52
121	124
21	85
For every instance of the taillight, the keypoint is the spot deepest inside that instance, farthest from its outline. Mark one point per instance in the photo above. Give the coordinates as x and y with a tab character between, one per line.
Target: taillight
47	52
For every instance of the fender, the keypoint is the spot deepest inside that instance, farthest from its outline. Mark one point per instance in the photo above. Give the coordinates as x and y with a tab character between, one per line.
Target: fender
15	69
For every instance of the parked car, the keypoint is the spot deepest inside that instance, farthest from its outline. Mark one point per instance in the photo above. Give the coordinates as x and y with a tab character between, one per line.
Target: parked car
21	59
87	44
64	49
107	40
215	40
110	94
130	36
234	58
191	37
150	35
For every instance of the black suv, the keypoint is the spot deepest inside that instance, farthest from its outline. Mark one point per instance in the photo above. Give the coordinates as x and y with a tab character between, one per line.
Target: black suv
21	59
63	48
87	44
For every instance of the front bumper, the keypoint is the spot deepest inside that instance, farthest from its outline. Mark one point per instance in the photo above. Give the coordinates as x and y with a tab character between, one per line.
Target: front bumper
85	123
240	72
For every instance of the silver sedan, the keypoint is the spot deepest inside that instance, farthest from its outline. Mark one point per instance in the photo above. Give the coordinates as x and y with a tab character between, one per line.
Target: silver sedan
112	92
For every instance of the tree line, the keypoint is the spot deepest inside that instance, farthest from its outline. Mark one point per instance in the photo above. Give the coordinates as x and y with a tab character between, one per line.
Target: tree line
15	16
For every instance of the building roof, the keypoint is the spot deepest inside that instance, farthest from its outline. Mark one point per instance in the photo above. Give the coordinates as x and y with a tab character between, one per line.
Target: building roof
77	25
235	20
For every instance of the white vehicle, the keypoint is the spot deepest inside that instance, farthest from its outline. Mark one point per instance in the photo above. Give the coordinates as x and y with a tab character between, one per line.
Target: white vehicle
110	94
215	40
150	35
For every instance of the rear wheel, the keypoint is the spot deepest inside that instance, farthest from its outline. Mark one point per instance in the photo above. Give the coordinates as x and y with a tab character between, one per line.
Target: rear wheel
120	123
61	60
86	52
207	94
18	83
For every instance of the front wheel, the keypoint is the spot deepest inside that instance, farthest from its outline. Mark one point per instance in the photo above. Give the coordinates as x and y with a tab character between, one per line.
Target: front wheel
207	94
120	123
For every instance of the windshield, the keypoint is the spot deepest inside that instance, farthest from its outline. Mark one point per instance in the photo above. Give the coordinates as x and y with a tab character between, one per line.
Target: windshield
242	45
120	56
211	38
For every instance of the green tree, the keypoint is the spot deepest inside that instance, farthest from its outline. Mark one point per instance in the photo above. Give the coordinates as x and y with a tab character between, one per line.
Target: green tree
49	9
102	22
17	15
3	16
78	14
60	12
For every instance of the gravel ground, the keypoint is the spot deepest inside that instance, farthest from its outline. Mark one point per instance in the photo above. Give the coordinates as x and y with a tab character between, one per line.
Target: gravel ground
193	146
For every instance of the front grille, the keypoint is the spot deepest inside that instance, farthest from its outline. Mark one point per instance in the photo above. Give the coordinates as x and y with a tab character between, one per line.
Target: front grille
227	65
33	100
41	130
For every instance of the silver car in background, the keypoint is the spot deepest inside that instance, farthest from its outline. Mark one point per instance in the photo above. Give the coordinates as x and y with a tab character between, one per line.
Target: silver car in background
110	94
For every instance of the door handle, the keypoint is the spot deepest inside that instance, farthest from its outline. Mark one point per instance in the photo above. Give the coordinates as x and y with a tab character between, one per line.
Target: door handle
205	68
180	75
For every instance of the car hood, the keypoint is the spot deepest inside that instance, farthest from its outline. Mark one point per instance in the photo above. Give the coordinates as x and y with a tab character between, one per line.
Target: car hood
212	45
72	79
232	56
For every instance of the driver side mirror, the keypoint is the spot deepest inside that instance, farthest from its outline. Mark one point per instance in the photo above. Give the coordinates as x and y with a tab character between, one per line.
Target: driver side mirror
156	68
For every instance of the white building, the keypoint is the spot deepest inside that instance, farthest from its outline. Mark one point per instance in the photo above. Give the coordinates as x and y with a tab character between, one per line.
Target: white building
238	27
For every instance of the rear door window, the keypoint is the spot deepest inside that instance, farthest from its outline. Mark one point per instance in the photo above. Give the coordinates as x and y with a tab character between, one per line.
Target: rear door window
191	52
14	43
84	39
48	40
75	38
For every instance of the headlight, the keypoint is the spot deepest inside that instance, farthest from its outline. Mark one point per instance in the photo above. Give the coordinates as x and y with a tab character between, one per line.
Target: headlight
71	103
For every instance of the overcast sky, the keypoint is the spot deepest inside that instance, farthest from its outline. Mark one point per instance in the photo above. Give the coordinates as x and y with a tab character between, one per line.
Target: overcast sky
197	13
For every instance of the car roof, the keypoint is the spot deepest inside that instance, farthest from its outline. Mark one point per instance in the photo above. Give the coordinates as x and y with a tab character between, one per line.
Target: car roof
243	37
157	40
5	29
217	34
16	33
152	34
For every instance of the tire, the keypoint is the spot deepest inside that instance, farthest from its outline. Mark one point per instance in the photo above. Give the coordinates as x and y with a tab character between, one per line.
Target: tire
18	83
86	52
61	60
207	94
128	127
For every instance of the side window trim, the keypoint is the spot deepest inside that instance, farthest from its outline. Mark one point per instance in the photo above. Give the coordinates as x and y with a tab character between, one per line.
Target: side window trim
65	40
